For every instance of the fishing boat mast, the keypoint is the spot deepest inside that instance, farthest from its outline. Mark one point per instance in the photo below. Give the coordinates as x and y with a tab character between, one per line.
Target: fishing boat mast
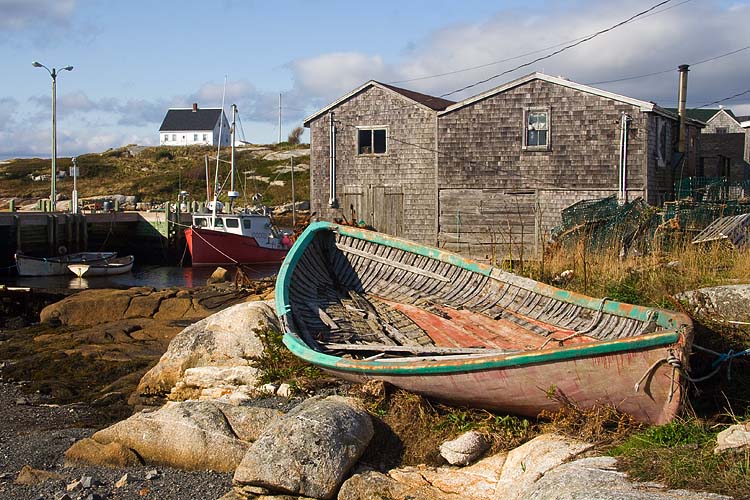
232	134
218	153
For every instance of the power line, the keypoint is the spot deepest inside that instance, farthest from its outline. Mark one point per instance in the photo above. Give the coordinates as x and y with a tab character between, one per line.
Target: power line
567	47
725	99
671	69
513	58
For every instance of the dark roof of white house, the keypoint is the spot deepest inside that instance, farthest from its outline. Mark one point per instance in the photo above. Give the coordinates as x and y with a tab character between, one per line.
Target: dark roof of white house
187	119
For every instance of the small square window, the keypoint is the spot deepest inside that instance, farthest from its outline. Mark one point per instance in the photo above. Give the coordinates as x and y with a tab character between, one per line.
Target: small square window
195	137
246	223
174	137
233	223
721	130
204	137
372	141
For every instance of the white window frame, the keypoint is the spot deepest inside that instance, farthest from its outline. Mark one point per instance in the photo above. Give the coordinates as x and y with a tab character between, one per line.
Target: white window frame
372	129
526	113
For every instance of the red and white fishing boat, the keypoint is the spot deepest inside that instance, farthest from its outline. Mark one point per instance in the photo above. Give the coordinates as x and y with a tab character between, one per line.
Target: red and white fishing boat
216	238
235	239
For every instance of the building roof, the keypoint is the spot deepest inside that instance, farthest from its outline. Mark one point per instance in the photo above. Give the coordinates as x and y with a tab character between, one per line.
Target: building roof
423	100
187	119
435	103
704	115
643	105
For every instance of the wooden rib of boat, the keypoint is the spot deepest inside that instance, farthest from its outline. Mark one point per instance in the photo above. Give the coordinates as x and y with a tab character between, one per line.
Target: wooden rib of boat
364	305
106	267
54	266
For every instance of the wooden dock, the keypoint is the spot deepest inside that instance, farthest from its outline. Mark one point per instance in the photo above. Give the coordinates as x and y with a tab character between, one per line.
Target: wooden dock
153	237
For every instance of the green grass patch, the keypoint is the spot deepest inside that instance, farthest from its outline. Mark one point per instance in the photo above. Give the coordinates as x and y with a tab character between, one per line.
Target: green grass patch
680	455
276	364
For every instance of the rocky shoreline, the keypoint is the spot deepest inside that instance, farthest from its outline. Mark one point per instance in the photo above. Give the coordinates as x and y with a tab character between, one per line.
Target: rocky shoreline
208	427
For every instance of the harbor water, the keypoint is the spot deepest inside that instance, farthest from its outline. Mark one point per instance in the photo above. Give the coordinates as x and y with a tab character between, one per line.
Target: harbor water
152	276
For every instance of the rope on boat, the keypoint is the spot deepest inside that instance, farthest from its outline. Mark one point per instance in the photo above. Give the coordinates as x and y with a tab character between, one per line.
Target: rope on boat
676	364
214	247
721	358
577	333
673	361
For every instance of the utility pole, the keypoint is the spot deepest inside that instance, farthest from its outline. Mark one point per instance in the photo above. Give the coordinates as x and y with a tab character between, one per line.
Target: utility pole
53	73
294	202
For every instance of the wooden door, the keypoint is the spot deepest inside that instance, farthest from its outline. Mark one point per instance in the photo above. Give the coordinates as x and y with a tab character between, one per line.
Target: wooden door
386	204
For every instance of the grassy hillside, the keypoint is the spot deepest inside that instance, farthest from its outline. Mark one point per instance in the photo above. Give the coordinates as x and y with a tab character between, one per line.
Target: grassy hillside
157	174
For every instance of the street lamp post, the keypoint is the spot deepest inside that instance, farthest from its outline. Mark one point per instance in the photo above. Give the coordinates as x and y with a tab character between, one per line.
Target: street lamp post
53	73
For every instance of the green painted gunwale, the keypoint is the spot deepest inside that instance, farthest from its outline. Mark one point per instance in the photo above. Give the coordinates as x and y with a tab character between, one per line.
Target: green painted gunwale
672	321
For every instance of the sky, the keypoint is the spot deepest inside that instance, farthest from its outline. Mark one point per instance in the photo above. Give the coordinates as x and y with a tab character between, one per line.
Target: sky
133	60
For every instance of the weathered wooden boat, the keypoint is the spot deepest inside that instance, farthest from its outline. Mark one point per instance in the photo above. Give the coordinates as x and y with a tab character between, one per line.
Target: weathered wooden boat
55	266
364	305
106	267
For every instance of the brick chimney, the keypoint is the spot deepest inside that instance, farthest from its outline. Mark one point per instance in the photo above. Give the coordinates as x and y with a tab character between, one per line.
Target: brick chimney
195	107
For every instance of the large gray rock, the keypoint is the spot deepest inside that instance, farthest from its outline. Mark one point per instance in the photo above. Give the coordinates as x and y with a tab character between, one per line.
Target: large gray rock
372	485
310	450
191	435
730	302
224	339
596	478
736	437
475	482
532	460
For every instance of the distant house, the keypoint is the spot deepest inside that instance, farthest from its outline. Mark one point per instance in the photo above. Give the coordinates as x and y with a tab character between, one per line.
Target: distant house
194	126
495	170
724	145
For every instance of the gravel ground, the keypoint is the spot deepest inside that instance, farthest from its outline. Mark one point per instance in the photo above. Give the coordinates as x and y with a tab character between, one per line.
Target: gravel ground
36	433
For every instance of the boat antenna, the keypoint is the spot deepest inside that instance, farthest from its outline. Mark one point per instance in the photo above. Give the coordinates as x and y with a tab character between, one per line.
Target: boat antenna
218	152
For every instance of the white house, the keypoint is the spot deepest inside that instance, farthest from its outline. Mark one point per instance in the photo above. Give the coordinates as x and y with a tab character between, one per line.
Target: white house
193	126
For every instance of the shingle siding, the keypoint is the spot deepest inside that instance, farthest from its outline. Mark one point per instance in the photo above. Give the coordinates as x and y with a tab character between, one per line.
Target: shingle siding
462	179
482	155
378	184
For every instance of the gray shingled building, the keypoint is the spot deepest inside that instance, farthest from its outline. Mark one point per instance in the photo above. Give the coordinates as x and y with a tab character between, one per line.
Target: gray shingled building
483	175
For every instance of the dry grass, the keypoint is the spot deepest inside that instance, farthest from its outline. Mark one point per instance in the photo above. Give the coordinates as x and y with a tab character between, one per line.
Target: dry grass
651	280
155	174
602	425
413	428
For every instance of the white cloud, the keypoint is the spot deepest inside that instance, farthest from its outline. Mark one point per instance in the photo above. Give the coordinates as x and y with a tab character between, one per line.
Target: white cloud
334	74
19	14
685	34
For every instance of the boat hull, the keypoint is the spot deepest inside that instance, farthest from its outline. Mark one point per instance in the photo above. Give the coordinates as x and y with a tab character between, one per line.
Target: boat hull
212	248
109	267
55	266
527	390
497	341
